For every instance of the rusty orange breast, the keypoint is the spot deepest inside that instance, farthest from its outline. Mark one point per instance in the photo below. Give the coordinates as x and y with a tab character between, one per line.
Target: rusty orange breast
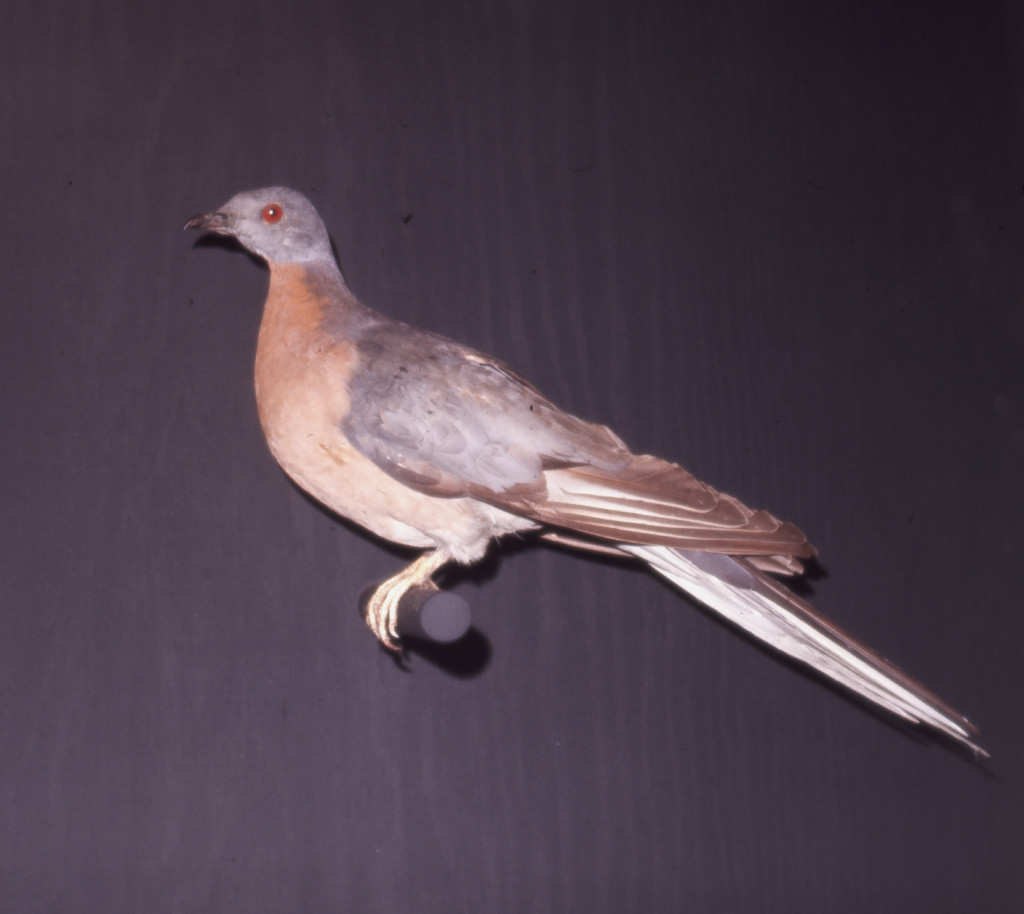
302	370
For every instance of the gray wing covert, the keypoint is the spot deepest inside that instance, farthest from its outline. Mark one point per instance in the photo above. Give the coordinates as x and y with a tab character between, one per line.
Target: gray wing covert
446	419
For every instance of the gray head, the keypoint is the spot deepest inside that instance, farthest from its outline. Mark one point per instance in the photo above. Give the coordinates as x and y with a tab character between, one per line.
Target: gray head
277	223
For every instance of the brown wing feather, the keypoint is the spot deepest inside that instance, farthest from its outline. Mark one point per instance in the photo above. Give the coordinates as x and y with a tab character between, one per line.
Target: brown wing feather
654	502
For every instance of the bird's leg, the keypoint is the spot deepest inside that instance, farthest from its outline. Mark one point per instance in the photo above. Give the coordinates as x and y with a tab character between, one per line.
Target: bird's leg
382	607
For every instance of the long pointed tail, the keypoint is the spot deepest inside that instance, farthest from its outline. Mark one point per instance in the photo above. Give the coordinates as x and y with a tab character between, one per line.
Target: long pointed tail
771	612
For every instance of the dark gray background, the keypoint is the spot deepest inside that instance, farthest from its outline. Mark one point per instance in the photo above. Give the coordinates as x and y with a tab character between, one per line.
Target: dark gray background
779	243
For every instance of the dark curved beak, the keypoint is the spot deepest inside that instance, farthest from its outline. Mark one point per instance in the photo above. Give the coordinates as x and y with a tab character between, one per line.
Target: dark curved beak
210	222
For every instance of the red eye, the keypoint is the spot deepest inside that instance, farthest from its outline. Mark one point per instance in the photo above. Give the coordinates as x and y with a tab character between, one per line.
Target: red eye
272	213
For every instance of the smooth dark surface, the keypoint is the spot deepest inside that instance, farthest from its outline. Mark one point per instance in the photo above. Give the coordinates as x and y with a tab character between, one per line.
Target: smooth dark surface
444	617
781	244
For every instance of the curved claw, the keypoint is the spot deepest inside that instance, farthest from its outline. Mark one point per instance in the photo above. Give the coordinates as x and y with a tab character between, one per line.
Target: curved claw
382	607
381	612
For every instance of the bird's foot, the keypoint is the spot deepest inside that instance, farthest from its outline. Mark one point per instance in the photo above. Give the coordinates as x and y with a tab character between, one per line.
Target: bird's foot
382	607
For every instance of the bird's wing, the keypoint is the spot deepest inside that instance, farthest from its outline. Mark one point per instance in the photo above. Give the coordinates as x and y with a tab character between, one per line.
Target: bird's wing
653	502
773	614
450	421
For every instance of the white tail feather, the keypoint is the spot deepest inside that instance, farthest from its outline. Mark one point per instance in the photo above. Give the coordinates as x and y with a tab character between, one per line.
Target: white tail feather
775	615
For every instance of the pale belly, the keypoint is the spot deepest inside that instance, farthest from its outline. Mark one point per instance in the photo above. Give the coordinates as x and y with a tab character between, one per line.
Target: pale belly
323	464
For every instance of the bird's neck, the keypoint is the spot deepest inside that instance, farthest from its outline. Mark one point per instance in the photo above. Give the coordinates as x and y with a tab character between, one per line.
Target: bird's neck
311	301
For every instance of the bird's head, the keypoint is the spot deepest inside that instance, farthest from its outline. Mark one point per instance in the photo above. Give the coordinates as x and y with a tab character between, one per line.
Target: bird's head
276	223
